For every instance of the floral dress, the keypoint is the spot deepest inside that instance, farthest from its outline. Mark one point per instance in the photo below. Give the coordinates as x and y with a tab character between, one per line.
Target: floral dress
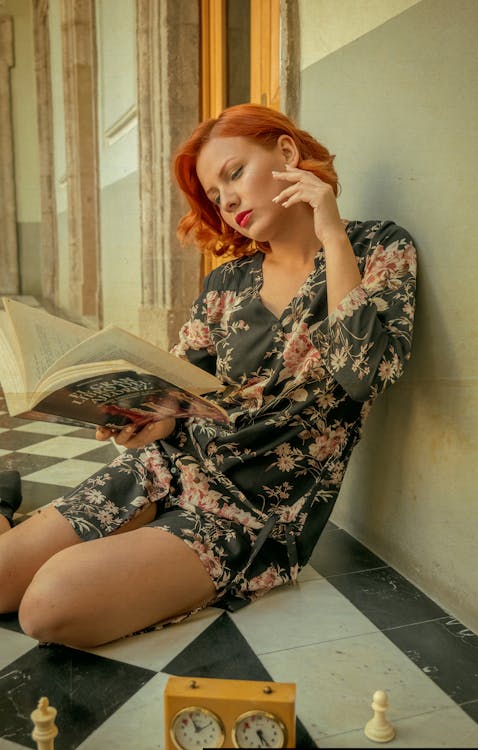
252	498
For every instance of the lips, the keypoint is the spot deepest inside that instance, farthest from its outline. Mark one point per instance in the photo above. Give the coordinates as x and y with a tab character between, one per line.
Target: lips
243	218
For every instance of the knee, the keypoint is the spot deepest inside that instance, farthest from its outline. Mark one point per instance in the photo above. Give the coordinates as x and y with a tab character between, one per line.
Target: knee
42	613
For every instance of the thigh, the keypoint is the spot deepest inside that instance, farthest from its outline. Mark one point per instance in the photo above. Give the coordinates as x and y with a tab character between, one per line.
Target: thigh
26	547
107	588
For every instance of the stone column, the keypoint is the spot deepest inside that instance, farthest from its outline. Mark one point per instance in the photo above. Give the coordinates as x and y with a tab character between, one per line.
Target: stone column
168	109
9	271
48	234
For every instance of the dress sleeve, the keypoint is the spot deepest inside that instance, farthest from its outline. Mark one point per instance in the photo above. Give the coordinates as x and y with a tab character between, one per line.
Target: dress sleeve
195	340
367	338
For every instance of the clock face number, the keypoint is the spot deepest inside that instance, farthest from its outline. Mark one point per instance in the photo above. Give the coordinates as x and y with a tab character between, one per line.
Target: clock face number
259	729
194	728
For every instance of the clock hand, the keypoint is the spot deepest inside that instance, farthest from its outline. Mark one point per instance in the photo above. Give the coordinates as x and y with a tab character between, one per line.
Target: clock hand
262	738
205	726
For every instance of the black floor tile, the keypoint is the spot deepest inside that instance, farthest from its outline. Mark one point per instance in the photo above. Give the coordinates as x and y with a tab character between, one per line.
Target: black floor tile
337	552
13	440
471	709
10	622
26	463
84	688
386	597
103	454
221	651
36	494
446	651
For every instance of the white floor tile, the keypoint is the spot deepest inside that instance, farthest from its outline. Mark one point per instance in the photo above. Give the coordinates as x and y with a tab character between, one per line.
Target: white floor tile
46	428
449	727
62	447
139	723
7	745
336	682
13	645
156	649
292	616
309	574
67	473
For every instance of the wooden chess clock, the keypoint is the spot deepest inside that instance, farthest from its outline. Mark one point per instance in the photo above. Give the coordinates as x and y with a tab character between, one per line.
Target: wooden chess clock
204	712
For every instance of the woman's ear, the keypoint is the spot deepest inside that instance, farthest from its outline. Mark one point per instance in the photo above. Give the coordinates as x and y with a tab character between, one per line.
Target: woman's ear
289	150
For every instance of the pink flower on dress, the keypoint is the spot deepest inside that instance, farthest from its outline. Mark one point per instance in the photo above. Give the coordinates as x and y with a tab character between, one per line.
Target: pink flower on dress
266	581
217	303
327	443
194	335
300	355
387	266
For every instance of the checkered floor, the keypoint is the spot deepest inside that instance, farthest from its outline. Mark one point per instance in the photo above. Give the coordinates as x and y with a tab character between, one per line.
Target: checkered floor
351	627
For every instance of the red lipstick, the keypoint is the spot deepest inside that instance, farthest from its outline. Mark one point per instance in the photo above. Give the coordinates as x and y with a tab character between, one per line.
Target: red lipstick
242	218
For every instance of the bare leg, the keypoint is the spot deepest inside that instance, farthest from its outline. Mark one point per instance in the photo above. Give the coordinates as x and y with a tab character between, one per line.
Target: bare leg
4	525
26	547
98	591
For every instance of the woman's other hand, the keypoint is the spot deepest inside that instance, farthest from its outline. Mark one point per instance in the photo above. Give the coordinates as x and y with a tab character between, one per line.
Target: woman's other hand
131	437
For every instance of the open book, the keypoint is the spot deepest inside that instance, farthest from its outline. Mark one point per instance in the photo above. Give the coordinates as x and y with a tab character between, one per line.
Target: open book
57	371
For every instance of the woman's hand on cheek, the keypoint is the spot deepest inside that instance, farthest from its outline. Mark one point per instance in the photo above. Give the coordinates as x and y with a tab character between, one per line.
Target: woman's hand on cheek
306	187
131	437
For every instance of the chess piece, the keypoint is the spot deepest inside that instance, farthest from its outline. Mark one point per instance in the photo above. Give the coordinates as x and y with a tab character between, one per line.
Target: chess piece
379	728
45	729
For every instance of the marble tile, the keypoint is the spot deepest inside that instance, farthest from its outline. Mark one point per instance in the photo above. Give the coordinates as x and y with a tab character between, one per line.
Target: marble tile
154	650
67	473
219	651
37	494
10	422
308	574
336	681
7	745
446	728
61	447
4	452
337	552
471	709
299	615
14	440
3	429
101	453
446	651
138	723
12	646
25	463
47	428
386	597
10	622
84	688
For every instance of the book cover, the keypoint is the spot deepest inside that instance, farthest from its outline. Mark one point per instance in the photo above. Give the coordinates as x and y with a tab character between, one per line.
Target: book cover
114	399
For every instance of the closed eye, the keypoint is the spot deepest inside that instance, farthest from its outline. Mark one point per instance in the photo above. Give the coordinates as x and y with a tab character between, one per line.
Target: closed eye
237	173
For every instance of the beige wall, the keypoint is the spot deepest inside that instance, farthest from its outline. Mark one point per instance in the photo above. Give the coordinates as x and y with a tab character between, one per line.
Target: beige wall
398	106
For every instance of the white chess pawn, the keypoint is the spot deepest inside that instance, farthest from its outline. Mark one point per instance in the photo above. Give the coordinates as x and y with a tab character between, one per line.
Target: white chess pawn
379	728
45	729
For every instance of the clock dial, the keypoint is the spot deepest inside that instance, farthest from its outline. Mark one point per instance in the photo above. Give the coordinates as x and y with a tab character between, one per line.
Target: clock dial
259	729
194	728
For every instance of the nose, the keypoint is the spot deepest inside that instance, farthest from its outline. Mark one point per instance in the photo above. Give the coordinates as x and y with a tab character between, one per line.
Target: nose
229	199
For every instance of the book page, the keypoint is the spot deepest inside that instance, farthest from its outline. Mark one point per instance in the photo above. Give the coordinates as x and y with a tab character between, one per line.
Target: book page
41	338
113	343
11	378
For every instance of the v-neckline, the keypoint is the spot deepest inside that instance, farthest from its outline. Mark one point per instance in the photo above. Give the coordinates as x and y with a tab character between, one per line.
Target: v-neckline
260	283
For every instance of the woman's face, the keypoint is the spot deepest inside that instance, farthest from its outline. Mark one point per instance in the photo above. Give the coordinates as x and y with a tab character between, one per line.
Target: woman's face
236	174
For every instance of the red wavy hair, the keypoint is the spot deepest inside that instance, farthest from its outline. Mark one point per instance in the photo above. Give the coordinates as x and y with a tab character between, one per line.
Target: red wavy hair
202	223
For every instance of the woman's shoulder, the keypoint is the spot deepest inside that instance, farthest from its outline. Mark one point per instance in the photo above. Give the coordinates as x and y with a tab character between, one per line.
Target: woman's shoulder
366	235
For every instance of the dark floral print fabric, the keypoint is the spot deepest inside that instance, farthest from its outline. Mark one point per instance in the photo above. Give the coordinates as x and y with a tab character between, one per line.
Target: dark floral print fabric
252	498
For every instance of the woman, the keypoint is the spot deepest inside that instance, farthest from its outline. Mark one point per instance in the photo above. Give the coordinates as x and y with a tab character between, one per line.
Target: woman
308	323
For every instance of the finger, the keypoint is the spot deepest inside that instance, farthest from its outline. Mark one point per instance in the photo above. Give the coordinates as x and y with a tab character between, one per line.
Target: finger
103	433
124	435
